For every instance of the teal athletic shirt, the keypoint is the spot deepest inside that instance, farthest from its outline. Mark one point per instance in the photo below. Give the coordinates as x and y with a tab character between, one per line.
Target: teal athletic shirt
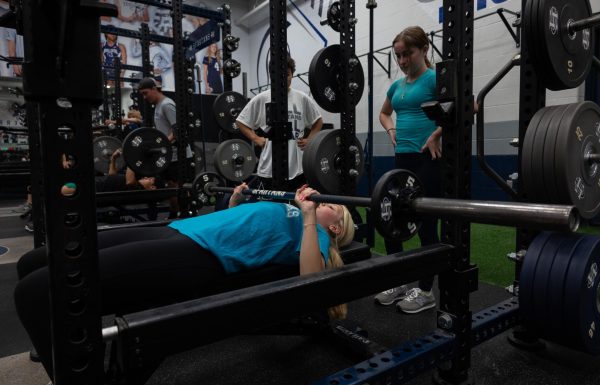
252	235
413	127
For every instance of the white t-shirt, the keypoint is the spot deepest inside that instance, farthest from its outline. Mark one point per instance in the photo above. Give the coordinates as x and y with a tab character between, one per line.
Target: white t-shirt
302	113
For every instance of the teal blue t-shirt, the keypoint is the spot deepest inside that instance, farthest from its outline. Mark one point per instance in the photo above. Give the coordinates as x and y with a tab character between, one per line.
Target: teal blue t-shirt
413	127
252	235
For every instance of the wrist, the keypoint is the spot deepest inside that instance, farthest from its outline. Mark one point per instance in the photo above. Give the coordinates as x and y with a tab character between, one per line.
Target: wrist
390	129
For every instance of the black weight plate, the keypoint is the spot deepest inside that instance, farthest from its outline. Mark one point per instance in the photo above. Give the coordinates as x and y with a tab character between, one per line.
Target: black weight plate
578	180
323	79
554	324
234	159
528	176
321	161
232	68
334	16
531	155
201	190
582	310
198	157
548	293
541	279
566	58
226	107
530	28
392	220
104	147
527	277
547	172
147	151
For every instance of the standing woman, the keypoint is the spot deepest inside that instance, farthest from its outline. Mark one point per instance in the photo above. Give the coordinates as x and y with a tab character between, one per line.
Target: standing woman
417	144
213	70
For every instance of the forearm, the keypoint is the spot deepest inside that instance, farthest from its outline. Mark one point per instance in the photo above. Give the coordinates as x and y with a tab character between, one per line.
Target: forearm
311	260
386	121
112	167
247	132
437	133
316	127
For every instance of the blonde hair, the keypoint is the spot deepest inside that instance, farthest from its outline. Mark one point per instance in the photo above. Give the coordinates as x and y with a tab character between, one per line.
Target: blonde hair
416	37
344	238
134	114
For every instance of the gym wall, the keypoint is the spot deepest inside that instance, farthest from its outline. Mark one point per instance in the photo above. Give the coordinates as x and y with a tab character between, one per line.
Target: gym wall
494	47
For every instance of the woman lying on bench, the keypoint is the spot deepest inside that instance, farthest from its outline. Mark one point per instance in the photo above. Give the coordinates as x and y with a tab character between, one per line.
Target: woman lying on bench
153	266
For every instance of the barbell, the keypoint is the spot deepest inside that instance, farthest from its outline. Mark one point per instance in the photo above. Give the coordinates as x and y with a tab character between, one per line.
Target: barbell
397	205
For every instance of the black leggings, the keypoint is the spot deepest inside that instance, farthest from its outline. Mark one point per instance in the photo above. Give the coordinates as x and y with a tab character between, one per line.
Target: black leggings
138	268
428	172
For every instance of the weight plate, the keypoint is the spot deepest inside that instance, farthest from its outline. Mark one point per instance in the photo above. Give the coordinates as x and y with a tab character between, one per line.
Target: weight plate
528	175
321	161
527	159
104	147
324	82
147	151
234	159
391	215
582	293
201	190
554	323
548	170
565	58
226	107
232	68
541	282
198	157
578	180
334	16
527	277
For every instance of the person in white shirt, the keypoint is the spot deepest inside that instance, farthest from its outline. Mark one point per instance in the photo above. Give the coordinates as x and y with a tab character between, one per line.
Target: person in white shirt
303	113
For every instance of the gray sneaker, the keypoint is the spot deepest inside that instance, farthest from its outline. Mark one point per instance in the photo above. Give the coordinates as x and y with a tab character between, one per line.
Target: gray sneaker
25	207
390	296
416	300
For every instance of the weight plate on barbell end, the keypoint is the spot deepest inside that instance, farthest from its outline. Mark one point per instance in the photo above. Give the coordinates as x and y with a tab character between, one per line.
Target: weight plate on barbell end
147	151
321	162
334	14
565	59
526	279
391	219
234	159
578	180
226	107
323	79
104	147
200	188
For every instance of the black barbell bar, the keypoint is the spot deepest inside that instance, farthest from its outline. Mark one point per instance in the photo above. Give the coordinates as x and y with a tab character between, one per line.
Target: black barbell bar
579	25
541	216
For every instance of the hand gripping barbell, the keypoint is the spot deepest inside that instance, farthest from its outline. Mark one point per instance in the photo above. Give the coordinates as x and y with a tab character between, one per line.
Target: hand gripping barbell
397	203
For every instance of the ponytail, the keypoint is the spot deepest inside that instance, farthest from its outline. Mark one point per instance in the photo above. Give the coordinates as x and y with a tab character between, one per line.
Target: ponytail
344	238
